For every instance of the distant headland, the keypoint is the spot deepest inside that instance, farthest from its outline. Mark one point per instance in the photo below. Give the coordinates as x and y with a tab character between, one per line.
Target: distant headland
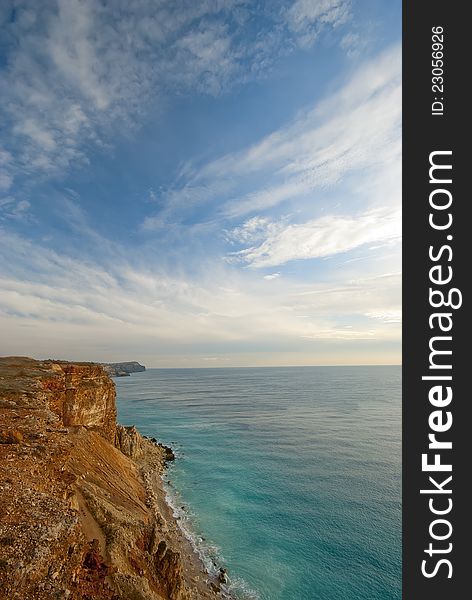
123	369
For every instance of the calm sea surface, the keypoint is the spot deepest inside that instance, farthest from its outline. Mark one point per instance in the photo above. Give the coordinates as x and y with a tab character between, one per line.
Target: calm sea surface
290	477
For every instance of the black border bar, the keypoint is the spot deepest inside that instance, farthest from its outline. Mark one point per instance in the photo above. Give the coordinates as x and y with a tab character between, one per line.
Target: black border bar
425	131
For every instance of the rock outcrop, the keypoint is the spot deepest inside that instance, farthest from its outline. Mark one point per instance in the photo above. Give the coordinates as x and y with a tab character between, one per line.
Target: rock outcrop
82	509
123	369
83	395
129	441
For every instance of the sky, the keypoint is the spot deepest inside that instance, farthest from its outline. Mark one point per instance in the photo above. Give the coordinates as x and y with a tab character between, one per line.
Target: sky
201	184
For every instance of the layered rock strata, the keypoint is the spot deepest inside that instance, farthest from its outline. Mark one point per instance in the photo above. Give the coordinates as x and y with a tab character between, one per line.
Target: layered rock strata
82	509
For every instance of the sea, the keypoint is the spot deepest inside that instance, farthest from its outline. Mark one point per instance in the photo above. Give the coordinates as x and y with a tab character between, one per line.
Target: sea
288	477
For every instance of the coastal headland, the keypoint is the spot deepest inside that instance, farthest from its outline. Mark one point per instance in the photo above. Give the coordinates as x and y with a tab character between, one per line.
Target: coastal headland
123	369
83	513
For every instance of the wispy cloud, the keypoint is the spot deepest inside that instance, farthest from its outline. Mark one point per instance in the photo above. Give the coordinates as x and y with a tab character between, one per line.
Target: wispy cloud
388	316
254	229
353	43
14	210
76	68
355	131
322	237
307	17
6	179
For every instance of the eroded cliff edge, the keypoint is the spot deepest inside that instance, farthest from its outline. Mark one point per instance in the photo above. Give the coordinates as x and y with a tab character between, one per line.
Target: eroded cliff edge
82	509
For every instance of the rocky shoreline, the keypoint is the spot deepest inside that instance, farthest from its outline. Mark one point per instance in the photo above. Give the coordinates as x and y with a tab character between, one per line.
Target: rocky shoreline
83	507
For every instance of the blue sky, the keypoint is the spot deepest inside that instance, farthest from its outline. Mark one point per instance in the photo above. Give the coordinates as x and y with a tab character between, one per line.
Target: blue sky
211	183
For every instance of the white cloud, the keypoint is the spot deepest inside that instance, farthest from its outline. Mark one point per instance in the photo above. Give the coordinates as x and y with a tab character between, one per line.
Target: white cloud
73	48
6	179
42	138
253	229
307	17
13	210
387	316
5	157
322	237
206	51
353	43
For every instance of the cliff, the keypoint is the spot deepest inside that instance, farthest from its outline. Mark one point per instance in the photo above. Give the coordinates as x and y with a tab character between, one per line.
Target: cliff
123	369
82	509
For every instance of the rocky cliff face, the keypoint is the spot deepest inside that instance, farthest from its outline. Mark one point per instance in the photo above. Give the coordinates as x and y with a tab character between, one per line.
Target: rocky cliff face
82	395
82	509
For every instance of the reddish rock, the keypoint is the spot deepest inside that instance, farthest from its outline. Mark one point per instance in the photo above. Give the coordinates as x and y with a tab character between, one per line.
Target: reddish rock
11	437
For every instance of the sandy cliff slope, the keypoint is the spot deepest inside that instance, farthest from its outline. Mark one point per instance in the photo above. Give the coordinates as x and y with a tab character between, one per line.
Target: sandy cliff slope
82	509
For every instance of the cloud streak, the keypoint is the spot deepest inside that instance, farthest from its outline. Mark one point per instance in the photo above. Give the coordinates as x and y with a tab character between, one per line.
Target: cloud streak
322	237
354	132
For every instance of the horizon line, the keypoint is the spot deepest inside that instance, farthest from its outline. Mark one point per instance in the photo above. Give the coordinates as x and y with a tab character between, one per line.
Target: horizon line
277	366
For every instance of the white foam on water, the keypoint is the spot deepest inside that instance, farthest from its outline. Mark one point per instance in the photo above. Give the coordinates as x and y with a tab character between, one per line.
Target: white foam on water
209	554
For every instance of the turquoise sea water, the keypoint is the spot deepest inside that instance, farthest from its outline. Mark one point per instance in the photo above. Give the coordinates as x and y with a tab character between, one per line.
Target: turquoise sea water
290	477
